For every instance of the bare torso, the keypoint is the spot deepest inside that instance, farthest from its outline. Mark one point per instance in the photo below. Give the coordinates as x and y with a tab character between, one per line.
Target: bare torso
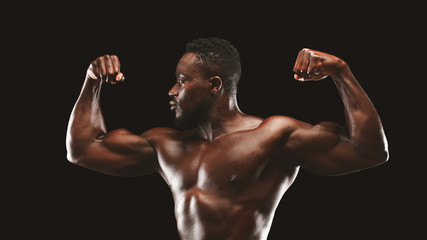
227	176
228	188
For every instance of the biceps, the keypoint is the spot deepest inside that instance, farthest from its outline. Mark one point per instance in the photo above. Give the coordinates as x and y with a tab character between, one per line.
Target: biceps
120	153
325	150
338	160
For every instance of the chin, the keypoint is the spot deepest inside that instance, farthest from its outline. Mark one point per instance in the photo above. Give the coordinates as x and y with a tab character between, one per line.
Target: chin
185	120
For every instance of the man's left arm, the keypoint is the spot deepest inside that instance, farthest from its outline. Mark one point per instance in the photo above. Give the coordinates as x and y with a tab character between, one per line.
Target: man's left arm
327	148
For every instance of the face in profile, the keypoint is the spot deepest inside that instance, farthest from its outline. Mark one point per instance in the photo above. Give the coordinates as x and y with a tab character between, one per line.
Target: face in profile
190	94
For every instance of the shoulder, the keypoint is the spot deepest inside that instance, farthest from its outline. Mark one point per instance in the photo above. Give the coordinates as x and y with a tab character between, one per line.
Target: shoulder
296	129
159	131
284	124
279	128
162	135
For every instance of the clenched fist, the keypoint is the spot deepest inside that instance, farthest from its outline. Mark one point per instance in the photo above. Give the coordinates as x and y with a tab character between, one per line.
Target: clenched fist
314	65
106	68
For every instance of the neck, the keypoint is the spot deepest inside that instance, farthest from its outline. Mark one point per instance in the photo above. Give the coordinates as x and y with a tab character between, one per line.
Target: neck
224	117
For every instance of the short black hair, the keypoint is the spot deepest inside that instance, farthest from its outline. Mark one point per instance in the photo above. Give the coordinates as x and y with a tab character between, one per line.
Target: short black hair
218	58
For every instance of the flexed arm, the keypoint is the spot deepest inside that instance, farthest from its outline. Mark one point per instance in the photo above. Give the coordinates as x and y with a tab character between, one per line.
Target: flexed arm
118	152
327	148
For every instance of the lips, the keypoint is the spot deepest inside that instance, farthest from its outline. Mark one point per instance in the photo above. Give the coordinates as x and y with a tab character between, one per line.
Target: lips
173	105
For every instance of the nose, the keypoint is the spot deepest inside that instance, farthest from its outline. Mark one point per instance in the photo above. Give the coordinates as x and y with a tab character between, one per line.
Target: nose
173	92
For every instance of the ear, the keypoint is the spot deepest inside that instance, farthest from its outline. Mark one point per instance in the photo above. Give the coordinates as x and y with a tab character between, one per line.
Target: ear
215	84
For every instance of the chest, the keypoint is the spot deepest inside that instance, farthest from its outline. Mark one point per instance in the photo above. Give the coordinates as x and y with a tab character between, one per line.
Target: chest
226	164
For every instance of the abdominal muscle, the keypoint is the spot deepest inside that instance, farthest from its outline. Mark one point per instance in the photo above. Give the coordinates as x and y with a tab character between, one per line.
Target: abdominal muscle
205	215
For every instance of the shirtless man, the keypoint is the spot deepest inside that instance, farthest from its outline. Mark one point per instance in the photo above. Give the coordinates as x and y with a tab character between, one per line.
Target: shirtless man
227	170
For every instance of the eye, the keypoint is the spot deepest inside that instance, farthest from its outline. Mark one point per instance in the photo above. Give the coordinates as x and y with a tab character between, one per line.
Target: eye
180	81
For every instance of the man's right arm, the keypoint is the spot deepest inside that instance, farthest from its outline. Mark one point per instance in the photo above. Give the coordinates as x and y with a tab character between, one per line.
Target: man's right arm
89	145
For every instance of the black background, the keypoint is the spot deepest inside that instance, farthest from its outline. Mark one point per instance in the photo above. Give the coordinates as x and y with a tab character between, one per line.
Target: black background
48	49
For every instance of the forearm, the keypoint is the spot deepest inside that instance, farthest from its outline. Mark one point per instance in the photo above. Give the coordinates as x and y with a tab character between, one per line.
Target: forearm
362	121
86	122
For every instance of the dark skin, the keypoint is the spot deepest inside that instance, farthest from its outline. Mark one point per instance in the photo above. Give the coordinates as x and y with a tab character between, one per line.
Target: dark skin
228	173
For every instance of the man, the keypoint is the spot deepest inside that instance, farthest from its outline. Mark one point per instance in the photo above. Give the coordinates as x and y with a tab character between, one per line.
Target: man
227	170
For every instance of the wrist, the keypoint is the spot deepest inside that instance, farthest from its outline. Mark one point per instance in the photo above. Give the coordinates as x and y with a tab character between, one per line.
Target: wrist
91	80
91	76
343	71
91	87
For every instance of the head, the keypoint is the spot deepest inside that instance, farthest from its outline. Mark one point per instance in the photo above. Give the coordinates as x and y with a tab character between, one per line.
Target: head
209	69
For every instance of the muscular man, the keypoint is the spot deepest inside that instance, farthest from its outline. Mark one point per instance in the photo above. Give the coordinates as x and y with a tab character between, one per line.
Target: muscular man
227	170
